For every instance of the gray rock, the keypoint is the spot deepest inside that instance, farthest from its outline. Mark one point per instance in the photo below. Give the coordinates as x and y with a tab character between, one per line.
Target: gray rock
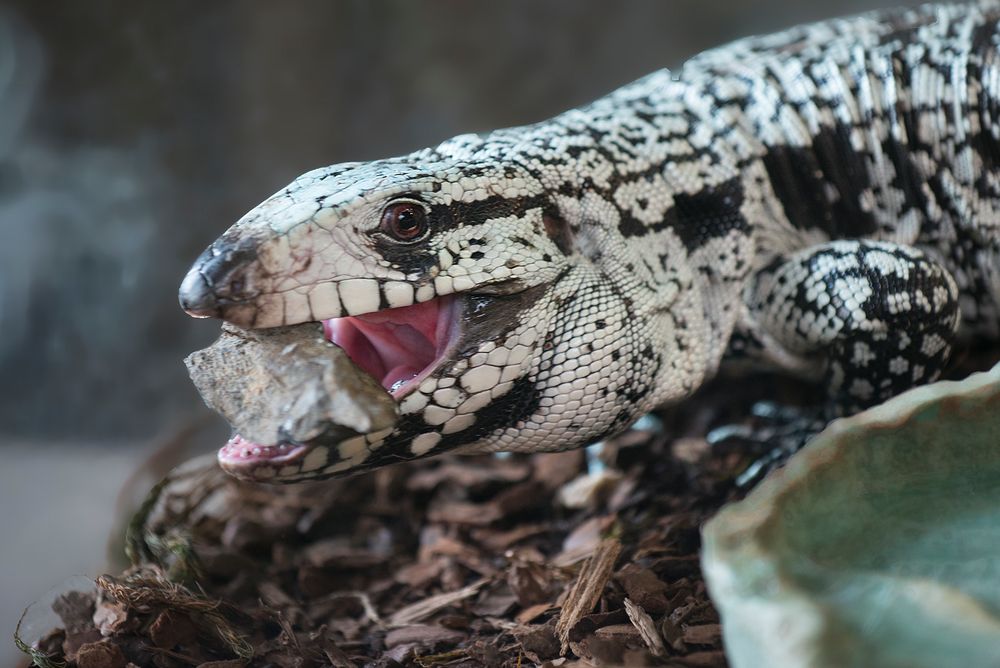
288	384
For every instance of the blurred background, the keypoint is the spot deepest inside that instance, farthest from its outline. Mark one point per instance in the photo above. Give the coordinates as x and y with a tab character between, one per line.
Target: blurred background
132	134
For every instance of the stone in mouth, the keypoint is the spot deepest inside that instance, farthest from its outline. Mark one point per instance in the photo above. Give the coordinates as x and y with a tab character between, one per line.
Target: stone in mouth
399	347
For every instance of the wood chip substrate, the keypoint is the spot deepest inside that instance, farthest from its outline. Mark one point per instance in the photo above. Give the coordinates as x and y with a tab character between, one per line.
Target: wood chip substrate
452	561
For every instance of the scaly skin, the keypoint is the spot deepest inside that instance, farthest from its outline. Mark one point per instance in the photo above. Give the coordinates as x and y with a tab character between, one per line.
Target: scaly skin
824	199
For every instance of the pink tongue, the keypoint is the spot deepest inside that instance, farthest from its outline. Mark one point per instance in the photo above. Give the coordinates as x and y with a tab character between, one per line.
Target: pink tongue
399	375
392	346
404	352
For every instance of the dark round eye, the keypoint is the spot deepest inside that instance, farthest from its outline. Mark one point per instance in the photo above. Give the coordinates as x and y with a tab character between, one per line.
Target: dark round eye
404	221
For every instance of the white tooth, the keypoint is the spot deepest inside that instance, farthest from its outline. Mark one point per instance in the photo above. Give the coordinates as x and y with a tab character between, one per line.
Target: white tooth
296	307
324	301
425	293
246	452
359	295
442	285
256	452
398	293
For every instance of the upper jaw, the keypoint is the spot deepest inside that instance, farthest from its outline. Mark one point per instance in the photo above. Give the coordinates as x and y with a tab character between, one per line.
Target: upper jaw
226	285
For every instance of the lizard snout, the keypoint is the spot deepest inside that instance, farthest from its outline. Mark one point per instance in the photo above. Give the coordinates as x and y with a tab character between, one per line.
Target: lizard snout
216	281
196	295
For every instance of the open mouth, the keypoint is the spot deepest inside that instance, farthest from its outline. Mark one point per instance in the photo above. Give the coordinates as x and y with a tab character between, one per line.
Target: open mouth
399	347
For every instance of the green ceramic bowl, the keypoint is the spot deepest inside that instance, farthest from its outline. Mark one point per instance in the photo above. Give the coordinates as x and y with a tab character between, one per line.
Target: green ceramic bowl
877	545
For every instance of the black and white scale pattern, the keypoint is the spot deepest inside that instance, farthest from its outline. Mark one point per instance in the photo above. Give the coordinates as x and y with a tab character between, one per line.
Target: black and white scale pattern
824	199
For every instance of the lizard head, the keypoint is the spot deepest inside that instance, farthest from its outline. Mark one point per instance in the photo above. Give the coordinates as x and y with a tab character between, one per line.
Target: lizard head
422	268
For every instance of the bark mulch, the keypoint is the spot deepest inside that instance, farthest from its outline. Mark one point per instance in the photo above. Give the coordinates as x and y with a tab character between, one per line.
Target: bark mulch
452	561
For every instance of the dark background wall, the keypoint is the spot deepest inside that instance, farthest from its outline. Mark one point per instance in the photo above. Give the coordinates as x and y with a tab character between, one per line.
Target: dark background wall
133	133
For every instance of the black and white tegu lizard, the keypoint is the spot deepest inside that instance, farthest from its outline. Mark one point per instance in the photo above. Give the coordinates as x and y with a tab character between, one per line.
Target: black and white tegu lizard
825	199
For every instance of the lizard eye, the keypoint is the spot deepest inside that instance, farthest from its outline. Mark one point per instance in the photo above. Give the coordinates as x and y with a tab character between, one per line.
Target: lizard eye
404	221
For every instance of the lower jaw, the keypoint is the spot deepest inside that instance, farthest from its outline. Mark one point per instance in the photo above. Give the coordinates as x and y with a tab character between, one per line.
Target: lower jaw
250	460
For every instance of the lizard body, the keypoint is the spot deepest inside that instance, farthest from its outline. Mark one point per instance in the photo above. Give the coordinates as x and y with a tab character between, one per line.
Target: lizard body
824	200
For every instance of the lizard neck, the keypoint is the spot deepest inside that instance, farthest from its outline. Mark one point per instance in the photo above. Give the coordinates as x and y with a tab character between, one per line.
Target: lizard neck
671	217
653	208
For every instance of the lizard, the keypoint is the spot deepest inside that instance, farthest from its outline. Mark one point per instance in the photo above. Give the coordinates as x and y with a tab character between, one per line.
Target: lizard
824	201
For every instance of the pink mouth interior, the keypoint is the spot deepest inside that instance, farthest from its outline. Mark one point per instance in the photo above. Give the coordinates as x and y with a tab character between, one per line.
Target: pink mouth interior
398	347
238	449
